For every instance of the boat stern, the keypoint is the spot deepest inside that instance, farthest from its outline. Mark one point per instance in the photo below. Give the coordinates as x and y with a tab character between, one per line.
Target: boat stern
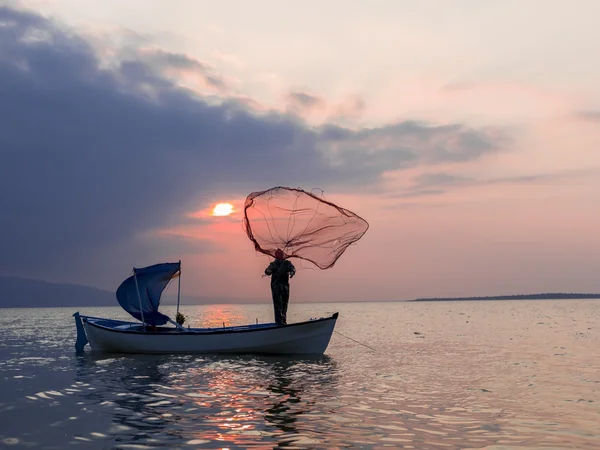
82	339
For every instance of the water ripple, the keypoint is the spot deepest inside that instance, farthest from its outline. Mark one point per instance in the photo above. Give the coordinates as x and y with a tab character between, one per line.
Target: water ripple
527	381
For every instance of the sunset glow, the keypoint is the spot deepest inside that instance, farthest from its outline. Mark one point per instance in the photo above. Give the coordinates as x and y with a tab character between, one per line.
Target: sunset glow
222	209
473	155
421	179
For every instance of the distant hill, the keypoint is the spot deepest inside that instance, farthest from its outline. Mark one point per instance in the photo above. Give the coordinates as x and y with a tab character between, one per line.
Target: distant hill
546	296
28	293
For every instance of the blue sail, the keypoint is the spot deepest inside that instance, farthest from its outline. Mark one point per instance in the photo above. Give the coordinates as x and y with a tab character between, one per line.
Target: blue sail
151	281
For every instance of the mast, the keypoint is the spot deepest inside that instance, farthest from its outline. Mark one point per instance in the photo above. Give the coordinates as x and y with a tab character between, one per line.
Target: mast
137	287
179	287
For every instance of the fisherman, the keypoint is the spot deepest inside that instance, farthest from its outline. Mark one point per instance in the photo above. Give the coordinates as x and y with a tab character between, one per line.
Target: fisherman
281	270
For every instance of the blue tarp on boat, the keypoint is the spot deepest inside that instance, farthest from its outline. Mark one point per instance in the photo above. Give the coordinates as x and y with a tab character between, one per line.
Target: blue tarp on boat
151	281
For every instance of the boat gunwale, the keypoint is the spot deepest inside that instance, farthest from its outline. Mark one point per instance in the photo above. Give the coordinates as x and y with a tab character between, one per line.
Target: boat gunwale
203	331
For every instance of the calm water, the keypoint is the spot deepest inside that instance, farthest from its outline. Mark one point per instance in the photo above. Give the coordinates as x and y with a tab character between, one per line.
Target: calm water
451	375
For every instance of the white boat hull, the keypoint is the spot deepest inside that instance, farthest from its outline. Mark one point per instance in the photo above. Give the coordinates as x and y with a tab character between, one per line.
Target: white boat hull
311	337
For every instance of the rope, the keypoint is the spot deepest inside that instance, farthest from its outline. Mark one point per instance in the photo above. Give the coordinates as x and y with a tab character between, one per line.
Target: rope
348	337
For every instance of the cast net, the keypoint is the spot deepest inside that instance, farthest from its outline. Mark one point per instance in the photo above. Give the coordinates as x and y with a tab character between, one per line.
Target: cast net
301	224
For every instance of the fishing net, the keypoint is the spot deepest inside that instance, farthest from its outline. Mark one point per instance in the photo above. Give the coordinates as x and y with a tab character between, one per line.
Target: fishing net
301	224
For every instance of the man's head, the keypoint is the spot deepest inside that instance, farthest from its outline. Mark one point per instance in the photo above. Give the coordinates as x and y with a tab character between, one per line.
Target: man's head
278	254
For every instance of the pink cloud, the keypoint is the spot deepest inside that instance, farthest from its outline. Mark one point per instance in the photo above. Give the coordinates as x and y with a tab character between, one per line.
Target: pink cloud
228	58
184	68
319	110
433	98
519	221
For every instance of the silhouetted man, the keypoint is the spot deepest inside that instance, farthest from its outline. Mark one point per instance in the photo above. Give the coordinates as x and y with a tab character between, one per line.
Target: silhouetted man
281	270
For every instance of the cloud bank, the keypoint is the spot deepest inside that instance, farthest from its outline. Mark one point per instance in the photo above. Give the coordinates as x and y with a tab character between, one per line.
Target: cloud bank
92	157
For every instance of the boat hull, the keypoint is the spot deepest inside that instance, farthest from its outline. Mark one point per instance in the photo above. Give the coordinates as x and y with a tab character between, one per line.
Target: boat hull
310	337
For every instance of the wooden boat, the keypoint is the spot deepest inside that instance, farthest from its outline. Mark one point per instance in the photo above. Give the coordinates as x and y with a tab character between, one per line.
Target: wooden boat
150	336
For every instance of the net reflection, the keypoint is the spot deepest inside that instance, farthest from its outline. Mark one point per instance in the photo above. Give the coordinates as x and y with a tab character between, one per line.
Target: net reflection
283	414
234	402
297	384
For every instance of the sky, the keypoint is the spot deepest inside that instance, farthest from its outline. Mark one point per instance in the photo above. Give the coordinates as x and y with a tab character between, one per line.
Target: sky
466	133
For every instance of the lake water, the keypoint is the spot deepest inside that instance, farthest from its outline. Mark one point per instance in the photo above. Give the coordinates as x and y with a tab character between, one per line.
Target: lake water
447	375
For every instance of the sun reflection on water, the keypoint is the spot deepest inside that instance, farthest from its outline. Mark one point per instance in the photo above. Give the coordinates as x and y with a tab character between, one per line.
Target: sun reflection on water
235	401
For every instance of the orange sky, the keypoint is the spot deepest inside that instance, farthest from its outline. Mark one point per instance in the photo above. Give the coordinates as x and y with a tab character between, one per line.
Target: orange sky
521	217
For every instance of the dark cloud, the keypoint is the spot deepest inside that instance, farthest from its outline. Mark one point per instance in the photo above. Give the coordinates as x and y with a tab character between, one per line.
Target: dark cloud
589	115
302	102
148	246
417	193
440	179
369	152
90	158
352	107
430	184
162	61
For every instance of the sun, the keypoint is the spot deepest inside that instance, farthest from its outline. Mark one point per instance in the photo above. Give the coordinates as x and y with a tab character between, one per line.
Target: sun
222	209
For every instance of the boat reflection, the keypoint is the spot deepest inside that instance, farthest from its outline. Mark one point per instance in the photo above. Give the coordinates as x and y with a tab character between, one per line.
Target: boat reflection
233	401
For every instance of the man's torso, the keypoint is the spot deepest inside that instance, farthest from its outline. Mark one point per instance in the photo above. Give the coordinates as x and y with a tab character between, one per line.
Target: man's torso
281	271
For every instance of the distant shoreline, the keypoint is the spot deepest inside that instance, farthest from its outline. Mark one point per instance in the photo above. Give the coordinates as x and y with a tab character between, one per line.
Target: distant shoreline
548	296
16	292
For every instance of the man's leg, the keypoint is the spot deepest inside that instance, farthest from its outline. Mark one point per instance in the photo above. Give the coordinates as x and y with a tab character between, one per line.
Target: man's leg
285	298
277	304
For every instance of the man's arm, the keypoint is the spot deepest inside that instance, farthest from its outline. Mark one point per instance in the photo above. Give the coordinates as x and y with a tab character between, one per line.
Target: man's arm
269	269
291	269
